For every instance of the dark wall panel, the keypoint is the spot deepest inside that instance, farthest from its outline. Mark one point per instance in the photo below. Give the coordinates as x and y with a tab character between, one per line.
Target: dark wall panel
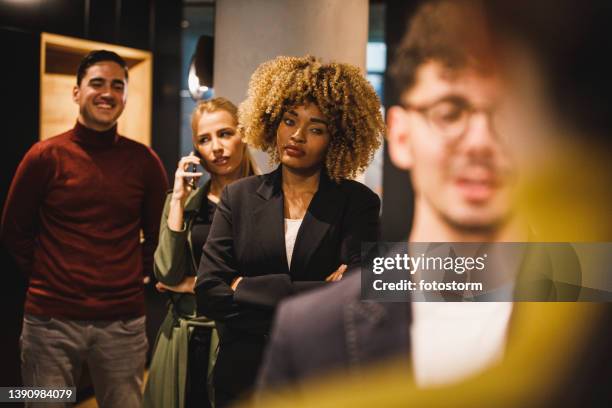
21	15
398	197
20	131
167	83
65	17
124	22
134	24
103	21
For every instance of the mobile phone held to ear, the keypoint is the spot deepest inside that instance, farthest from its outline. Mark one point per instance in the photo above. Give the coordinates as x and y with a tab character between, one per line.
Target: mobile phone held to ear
194	168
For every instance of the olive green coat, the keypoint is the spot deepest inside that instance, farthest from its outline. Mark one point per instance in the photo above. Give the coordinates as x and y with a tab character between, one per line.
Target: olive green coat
173	261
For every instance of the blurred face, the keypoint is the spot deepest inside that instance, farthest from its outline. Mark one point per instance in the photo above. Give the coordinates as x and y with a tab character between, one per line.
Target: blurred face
445	135
101	96
219	143
302	138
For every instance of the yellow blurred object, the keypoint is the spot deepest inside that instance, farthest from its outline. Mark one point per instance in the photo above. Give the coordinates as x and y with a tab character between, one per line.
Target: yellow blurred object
568	198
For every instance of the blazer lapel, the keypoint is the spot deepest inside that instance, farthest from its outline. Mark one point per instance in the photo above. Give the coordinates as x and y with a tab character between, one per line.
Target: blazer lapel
268	218
320	215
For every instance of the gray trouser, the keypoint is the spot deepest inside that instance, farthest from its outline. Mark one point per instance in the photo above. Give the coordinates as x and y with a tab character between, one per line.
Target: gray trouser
54	350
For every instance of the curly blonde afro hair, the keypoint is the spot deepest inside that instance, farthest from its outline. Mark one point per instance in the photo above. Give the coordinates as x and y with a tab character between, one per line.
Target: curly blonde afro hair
340	91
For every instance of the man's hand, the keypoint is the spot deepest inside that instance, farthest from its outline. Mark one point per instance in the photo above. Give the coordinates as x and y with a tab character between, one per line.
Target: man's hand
186	286
337	275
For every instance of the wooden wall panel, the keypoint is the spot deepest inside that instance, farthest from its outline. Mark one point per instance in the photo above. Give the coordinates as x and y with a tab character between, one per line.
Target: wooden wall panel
136	119
58	112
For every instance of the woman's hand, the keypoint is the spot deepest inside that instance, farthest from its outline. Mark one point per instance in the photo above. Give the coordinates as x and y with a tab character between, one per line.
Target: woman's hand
187	285
183	176
180	191
337	274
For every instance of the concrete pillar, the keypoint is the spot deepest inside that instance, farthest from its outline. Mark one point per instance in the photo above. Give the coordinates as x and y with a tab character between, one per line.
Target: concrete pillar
249	32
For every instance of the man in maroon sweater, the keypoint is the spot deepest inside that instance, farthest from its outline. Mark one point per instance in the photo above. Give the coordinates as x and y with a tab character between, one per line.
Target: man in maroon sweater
73	221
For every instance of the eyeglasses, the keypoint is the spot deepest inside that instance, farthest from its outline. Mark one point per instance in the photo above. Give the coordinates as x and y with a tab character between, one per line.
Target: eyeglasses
450	117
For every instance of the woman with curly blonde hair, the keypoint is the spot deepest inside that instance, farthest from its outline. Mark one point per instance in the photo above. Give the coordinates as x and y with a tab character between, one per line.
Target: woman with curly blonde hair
298	226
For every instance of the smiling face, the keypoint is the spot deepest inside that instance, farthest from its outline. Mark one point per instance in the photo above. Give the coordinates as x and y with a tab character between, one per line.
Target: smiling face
467	182
101	96
218	142
302	138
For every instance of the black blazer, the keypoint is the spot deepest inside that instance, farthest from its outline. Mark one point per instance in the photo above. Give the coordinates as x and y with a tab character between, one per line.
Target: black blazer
333	330
247	238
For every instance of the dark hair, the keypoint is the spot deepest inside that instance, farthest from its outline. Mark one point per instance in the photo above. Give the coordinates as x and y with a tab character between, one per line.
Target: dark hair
98	56
451	32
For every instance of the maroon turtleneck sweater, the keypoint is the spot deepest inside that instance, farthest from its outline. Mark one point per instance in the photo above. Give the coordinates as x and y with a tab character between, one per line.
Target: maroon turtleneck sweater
73	218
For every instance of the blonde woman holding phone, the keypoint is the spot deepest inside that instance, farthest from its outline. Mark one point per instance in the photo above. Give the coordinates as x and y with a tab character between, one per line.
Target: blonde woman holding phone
178	375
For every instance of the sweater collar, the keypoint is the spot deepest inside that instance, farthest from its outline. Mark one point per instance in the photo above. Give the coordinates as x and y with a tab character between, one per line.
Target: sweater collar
94	138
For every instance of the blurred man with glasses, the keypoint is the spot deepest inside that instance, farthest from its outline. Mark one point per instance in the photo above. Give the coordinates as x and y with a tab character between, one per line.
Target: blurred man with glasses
446	133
